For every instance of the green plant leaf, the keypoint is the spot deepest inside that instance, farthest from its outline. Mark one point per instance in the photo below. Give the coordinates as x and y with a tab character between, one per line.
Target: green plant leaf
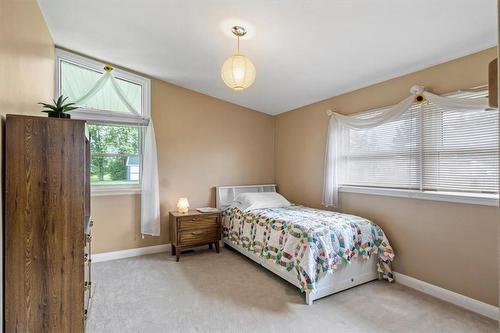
48	106
66	105
59	100
58	106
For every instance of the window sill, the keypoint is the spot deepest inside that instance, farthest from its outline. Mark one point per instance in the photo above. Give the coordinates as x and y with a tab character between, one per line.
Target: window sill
466	198
113	190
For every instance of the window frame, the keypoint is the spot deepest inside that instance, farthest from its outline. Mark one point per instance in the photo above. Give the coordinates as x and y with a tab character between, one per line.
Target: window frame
120	189
106	117
486	199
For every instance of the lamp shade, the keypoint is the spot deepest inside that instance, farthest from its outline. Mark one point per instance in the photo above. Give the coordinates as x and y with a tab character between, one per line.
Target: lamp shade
238	72
183	205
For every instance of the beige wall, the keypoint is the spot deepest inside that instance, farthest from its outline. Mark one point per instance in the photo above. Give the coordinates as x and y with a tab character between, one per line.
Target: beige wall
202	142
26	58
430	238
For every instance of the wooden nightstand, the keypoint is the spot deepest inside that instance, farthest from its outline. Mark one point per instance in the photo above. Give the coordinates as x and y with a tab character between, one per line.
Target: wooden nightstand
194	229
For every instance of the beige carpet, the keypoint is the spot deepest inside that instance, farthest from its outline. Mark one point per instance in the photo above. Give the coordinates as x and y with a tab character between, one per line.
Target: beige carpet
226	292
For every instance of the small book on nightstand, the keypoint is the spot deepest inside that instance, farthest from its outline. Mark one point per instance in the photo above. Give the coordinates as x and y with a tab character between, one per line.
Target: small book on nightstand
207	210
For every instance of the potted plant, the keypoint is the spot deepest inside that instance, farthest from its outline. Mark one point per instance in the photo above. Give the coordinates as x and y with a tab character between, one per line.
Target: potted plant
59	109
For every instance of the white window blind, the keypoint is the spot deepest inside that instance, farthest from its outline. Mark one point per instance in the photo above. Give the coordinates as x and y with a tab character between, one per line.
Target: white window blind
428	149
385	156
460	149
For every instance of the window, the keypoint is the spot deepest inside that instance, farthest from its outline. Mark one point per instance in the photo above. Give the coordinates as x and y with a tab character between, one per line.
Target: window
429	149
116	112
116	154
385	156
460	150
77	80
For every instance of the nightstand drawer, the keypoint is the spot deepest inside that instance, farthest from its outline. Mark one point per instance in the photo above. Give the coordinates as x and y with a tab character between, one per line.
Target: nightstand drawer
198	236
186	223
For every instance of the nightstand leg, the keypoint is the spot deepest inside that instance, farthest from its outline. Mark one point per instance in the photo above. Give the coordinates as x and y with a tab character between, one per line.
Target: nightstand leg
210	246
217	246
177	254
173	249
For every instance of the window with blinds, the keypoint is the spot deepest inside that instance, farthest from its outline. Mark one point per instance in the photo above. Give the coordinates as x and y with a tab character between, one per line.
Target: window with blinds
428	149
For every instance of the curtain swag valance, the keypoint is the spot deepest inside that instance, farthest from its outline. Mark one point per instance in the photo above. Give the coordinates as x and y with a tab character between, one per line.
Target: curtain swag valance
150	197
339	123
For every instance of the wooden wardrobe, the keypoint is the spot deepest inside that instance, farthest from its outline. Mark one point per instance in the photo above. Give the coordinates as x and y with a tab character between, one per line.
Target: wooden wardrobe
46	225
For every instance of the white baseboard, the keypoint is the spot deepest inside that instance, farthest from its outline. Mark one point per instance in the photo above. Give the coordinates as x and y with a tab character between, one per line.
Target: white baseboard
460	300
106	256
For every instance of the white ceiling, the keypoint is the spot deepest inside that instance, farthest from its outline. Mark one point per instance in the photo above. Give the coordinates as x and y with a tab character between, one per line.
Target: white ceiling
304	51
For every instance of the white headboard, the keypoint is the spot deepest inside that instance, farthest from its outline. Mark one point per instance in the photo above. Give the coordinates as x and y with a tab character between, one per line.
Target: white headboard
226	194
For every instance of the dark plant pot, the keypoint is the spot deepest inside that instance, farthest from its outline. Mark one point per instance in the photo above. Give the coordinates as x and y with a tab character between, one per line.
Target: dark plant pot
59	115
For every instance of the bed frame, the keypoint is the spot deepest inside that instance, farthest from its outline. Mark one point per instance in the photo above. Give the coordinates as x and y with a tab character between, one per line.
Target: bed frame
358	272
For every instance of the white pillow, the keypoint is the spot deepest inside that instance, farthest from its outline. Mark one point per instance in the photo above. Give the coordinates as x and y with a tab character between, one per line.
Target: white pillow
258	200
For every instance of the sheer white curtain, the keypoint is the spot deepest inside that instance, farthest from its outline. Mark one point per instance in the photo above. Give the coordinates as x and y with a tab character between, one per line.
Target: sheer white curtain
150	191
91	89
150	197
333	166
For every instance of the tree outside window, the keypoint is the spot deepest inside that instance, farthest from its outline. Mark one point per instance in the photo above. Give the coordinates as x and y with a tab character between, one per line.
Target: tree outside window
115	154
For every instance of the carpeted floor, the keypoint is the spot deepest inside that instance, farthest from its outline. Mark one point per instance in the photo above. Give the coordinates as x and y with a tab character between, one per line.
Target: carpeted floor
206	292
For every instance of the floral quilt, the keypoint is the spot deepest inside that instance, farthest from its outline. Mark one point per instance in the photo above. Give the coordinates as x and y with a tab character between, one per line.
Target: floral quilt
309	241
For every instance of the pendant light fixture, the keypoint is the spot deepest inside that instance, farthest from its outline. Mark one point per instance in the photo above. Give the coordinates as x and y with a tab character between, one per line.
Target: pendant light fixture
238	72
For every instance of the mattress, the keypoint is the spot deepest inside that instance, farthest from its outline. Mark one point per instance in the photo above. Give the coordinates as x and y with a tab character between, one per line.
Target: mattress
309	242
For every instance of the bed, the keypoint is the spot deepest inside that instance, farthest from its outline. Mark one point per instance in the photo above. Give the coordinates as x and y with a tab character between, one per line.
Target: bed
320	252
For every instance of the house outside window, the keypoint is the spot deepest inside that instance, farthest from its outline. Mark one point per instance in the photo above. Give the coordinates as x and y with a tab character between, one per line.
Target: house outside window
133	167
